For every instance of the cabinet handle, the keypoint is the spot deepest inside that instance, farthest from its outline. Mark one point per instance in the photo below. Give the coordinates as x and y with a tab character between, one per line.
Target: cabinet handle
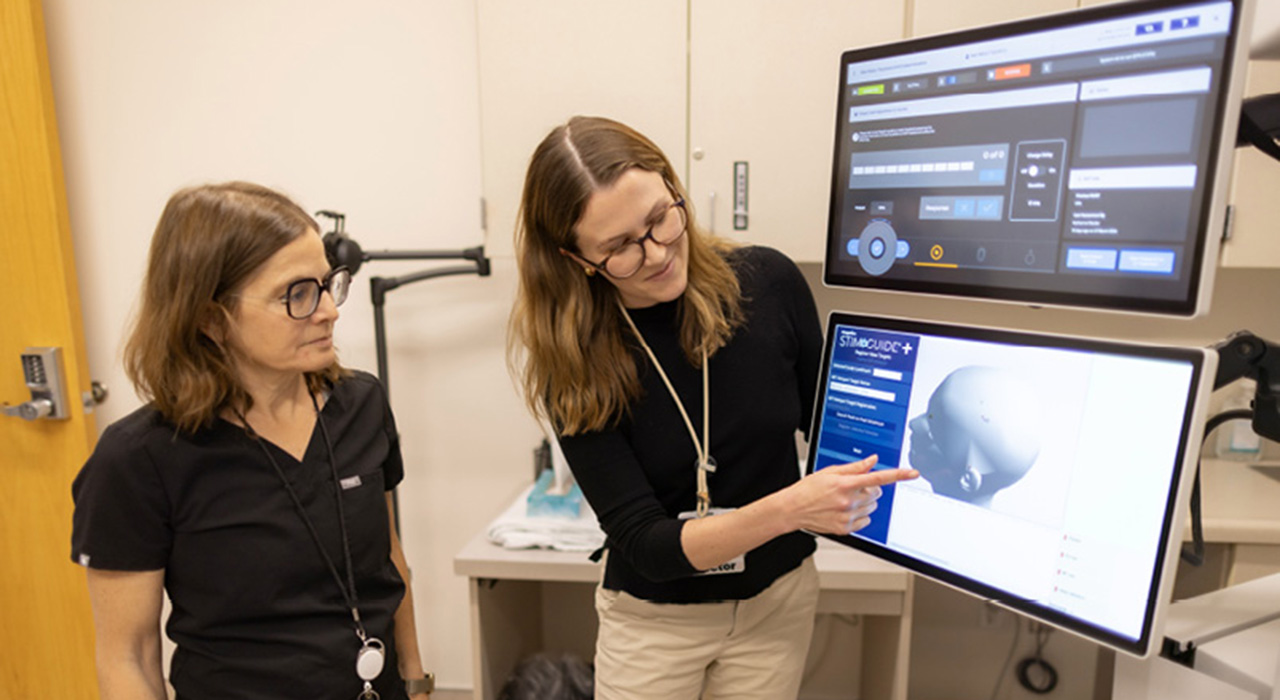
711	212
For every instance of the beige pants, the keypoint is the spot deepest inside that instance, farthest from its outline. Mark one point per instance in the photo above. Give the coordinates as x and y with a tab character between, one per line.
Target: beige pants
753	648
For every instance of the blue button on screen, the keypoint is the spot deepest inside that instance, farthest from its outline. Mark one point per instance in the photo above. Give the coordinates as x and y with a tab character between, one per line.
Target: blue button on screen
1155	262
1091	259
989	207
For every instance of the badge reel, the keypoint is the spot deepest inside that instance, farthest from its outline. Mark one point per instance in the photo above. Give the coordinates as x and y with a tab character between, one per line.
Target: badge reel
369	661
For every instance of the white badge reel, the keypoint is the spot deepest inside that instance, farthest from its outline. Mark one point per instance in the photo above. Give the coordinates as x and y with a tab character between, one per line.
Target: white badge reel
369	662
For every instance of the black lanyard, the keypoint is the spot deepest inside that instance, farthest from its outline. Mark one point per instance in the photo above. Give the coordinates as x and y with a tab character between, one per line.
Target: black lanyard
349	588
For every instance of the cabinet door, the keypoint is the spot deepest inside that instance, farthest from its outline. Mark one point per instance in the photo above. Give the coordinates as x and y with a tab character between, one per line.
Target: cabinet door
543	62
1254	236
763	82
938	16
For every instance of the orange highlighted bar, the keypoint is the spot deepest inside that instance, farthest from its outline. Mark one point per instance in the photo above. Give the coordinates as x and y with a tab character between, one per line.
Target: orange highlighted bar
1022	70
925	264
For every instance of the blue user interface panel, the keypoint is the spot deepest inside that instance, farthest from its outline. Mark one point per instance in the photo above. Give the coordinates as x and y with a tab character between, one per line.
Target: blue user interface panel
1071	159
1050	467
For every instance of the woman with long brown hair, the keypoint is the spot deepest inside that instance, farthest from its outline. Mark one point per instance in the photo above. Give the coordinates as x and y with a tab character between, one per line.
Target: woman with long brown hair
677	368
253	488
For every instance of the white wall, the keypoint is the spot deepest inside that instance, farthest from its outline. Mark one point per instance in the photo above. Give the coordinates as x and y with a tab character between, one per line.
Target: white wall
368	108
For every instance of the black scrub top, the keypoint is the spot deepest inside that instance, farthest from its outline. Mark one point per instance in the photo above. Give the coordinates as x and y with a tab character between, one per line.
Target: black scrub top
256	612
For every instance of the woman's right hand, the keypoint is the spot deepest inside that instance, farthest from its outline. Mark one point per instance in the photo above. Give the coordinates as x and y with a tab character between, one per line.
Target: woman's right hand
840	499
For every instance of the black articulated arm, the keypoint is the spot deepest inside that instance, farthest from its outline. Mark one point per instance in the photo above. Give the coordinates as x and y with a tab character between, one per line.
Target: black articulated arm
1244	355
1260	124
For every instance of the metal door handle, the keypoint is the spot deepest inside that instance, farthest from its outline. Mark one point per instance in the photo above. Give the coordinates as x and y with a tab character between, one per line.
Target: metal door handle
31	410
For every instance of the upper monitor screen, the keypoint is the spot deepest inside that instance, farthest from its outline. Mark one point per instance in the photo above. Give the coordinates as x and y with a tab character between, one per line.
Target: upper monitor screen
1053	470
1068	160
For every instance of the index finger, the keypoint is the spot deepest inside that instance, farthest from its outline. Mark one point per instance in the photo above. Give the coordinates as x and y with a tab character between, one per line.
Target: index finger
861	466
882	477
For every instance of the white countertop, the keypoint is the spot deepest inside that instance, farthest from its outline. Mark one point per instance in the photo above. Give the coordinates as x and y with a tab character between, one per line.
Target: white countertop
839	567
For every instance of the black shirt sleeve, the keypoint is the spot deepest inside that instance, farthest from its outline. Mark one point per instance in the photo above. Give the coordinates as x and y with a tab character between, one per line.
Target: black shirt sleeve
613	482
122	513
393	467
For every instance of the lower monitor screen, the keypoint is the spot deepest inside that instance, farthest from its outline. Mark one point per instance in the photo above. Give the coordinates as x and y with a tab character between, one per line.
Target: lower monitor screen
1052	468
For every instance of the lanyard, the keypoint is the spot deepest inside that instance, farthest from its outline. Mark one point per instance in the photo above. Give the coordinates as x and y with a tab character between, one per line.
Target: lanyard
705	463
370	657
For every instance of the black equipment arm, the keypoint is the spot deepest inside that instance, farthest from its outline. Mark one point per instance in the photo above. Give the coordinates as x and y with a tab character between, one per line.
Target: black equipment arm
1244	355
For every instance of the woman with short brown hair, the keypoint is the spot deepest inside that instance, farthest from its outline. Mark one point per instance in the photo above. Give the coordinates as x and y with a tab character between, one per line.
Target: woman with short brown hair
253	488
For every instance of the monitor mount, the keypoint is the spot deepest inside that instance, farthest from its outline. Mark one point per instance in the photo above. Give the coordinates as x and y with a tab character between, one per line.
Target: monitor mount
1260	124
1244	355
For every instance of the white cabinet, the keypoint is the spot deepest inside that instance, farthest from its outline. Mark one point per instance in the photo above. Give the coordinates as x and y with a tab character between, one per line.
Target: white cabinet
750	80
763	83
543	62
1255	191
938	16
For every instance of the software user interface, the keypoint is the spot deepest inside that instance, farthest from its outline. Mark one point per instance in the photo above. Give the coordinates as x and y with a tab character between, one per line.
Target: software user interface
1046	472
1068	161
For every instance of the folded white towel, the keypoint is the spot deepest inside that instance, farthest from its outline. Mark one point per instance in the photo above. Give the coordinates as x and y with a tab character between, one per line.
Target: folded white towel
516	530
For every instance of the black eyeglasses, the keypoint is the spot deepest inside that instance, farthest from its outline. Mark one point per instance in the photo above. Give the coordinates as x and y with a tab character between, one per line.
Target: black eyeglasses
302	298
627	259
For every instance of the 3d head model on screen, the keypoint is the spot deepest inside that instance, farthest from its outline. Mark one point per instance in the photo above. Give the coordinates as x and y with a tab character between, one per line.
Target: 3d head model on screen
980	434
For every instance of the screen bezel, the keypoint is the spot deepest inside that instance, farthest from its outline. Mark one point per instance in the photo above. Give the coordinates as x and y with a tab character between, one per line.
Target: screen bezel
1203	364
1217	177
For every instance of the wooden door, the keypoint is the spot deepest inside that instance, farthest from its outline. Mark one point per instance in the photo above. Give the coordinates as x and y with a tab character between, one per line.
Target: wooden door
46	650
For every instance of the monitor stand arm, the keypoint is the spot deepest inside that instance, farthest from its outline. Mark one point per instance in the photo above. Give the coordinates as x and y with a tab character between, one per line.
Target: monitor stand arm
1260	124
1244	355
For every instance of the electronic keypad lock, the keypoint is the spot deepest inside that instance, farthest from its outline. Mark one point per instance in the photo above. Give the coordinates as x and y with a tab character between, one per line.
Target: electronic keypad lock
42	371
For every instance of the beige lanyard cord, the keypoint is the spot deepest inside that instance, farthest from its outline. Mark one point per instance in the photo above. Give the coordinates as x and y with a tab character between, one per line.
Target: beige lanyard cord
705	463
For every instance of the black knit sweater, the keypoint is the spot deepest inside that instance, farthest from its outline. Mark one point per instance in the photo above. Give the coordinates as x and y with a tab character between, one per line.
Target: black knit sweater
640	475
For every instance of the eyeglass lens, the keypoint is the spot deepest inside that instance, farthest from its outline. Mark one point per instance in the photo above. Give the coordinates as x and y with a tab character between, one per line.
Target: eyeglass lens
628	259
303	297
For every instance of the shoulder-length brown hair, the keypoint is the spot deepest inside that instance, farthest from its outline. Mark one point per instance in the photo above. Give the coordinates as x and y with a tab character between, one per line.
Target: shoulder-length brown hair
566	341
209	242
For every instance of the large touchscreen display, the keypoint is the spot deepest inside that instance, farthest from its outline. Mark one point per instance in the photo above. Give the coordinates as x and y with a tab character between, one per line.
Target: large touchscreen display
1071	160
1050	468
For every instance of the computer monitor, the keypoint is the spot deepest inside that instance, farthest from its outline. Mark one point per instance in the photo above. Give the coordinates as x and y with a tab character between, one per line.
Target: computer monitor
1079	159
1054	470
